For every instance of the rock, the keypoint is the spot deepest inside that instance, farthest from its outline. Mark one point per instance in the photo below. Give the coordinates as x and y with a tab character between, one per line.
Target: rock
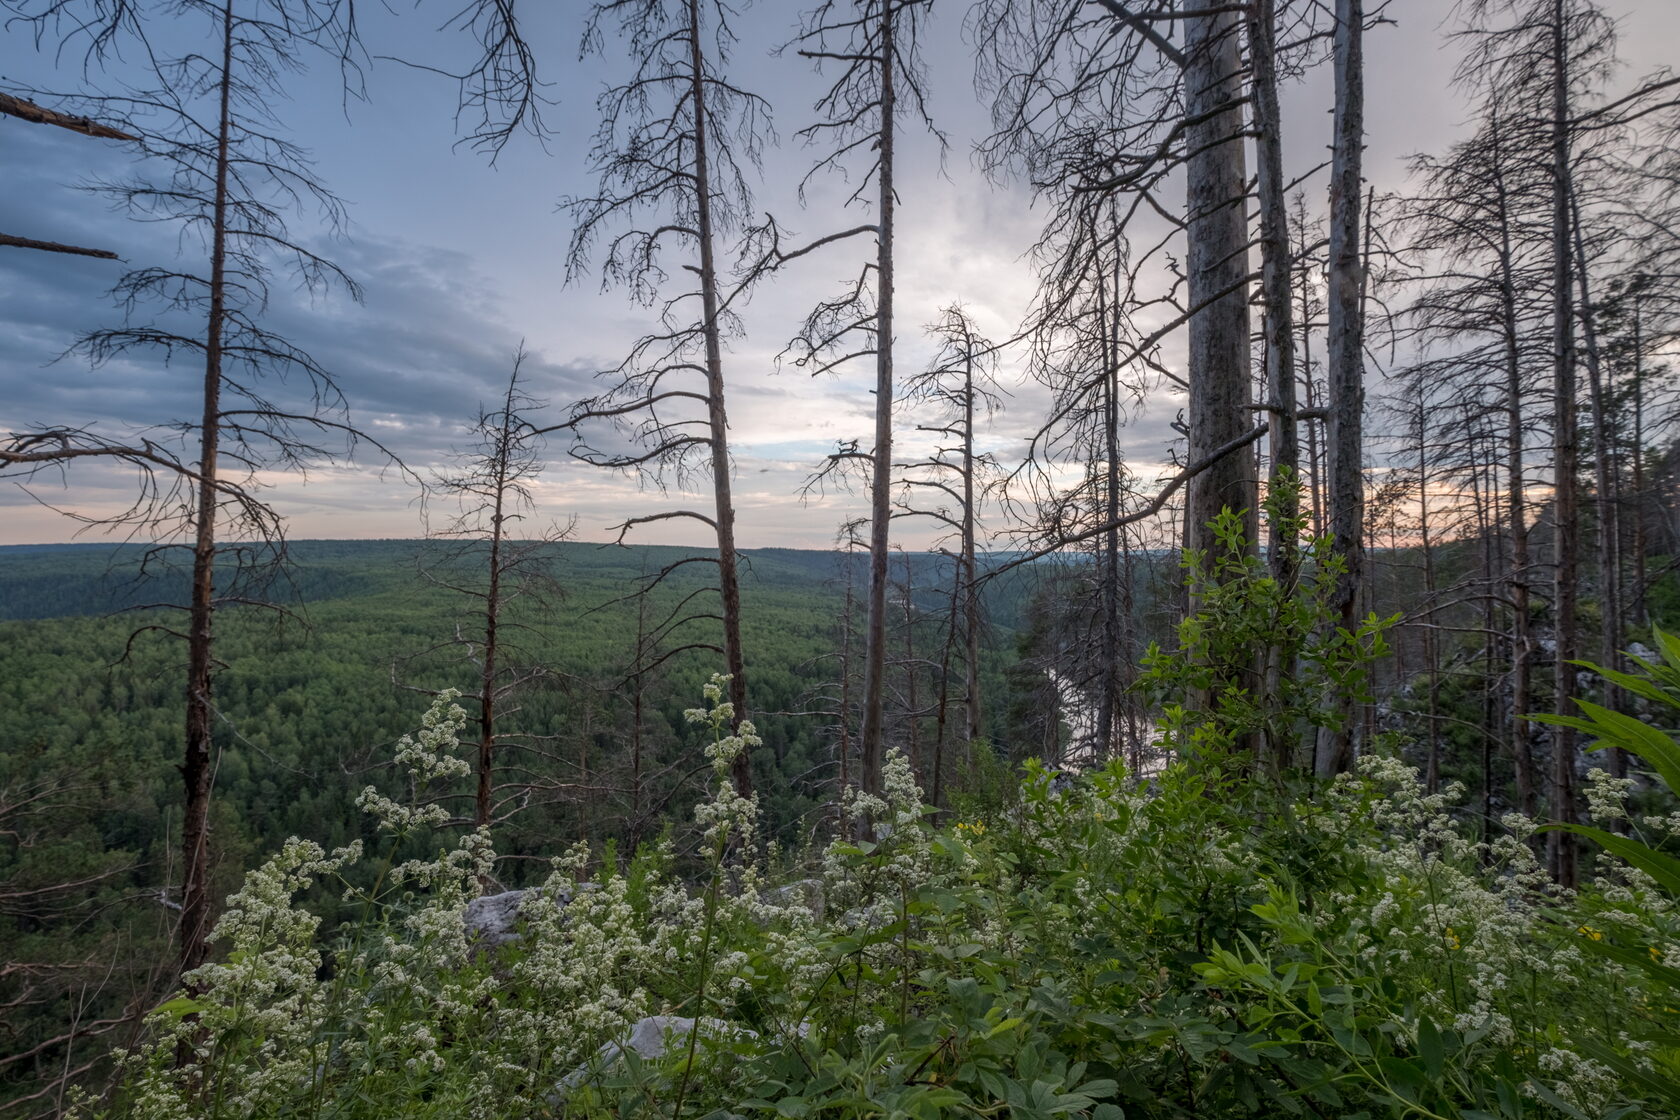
802	892
872	916
649	1039
492	920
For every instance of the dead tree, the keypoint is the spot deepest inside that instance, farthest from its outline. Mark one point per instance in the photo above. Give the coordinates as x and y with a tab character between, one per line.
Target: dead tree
1079	332
1478	318
225	175
475	555
1106	99
676	143
948	485
873	49
1346	358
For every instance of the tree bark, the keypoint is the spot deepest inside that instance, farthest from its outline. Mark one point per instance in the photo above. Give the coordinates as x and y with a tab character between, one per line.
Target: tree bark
1560	847
729	584
880	483
1345	430
1518	576
197	769
1108	692
971	587
1640	614
1275	277
1604	493
1216	185
1279	333
1431	654
484	799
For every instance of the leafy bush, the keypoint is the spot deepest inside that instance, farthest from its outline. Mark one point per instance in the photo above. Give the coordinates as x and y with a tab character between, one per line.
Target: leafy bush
1260	661
1197	946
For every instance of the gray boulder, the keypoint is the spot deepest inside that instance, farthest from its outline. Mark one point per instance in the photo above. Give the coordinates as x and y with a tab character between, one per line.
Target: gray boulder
649	1039
801	892
492	920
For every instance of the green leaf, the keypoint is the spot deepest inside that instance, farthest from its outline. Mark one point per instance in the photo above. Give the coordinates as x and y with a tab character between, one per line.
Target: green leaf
1668	645
1640	738
1430	1049
1098	1089
1545	1093
179	1007
1632	682
1665	869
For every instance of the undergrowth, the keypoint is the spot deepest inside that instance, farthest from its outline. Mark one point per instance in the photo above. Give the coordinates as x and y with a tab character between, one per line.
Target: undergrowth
1197	946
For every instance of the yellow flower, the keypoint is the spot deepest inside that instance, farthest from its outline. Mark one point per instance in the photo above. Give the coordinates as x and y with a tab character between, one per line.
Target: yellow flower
1452	940
1588	931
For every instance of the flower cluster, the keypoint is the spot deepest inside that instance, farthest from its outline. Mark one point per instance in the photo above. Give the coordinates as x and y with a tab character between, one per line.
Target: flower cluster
428	758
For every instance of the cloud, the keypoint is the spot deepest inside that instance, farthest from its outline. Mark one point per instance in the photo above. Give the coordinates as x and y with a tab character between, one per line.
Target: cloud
460	261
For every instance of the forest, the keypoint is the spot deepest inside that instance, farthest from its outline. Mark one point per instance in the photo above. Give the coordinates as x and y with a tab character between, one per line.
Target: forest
1241	677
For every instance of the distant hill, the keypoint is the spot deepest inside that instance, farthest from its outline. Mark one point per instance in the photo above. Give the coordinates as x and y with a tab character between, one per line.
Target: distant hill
81	580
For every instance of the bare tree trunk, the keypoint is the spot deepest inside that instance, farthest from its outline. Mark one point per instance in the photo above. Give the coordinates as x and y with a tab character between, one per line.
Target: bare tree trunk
1518	575
1641	615
912	707
1279	331
492	617
1559	845
1108	694
1216	185
845	722
1604	496
971	588
1275	277
1345	435
880	483
1431	651
197	769
729	584
1129	650
943	707
1314	459
1490	682
638	725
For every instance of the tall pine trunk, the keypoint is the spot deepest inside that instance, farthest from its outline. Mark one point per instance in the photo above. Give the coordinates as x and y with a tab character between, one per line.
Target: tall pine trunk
729	584
1431	652
197	769
1279	333
1604	492
1559	845
880	482
1518	576
971	587
1216	185
483	802
1275	277
1346	403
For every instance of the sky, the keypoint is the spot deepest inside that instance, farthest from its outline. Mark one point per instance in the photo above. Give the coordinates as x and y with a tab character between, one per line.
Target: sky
461	259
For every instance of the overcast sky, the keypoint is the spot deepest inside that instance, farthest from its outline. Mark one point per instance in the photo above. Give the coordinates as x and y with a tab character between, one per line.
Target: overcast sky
460	260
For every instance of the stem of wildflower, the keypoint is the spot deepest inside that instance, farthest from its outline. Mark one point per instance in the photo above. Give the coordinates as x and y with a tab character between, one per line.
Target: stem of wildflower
904	953
712	892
